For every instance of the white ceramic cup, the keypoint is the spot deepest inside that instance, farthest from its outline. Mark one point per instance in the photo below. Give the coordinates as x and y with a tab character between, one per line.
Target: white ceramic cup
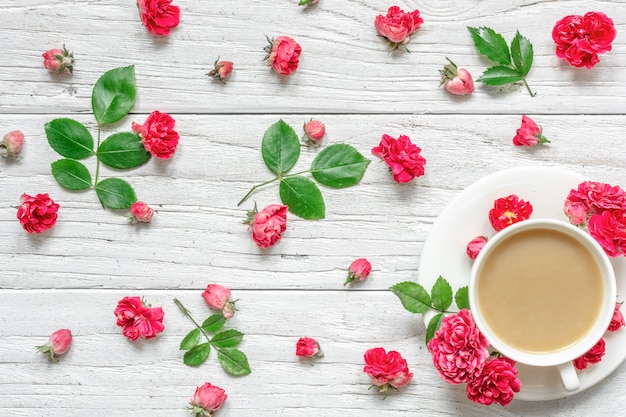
562	359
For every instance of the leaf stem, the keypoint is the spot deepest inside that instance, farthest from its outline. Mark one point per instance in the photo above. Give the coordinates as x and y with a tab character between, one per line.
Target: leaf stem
528	87
97	158
188	315
255	187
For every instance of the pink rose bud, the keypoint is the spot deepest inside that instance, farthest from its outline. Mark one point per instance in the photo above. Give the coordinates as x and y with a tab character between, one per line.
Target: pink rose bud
283	54
529	134
475	246
140	212
358	271
314	131
576	211
221	70
58	60
11	144
60	342
217	297
457	81
307	2
207	400
307	347
268	224
617	322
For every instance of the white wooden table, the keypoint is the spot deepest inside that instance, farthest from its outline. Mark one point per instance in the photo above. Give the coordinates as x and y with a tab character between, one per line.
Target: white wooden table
74	275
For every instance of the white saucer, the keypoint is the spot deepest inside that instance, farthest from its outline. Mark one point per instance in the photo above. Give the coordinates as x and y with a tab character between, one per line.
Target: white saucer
467	217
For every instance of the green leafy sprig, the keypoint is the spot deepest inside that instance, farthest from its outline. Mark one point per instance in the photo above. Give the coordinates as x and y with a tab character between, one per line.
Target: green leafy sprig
417	300
514	63
336	166
232	360
112	99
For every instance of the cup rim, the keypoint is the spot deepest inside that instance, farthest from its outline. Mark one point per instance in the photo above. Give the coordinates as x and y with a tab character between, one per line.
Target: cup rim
595	333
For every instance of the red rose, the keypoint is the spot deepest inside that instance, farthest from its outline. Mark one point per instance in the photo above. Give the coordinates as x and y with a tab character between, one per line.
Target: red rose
207	399
402	156
398	25
497	383
158	16
307	347
386	369
137	319
599	31
37	214
593	356
597	196
268	225
608	228
617	321
158	134
509	210
283	53
529	134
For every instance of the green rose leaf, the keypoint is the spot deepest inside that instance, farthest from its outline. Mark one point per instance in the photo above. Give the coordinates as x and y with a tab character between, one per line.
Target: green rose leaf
69	138
462	298
433	325
339	166
233	361
441	294
114	95
227	338
303	197
197	354
115	193
491	44
413	296
123	150
191	340
71	174
500	75
280	147
522	54
213	323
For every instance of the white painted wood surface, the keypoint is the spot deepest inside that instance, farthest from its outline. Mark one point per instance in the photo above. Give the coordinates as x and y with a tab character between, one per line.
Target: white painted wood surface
74	274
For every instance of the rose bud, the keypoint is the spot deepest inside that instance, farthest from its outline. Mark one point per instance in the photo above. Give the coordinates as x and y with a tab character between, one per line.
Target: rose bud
58	60
140	212
475	246
37	214
268	224
221	70
207	400
529	134
358	271
457	81
217	297
60	342
11	144
307	2
314	131
307	347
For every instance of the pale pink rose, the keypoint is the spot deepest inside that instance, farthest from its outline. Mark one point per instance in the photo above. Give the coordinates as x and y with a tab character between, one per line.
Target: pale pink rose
386	369
359	270
268	225
11	144
475	246
397	25
593	356
159	16
58	60
608	228
314	131
617	321
576	212
307	347
217	297
283	54
529	134
37	214
137	319
59	343
457	81
207	400
402	156
221	70
458	348
158	134
497	383
141	212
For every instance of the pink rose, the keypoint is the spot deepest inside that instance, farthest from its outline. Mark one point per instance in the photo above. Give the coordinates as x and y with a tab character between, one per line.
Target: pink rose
11	144
141	212
217	297
529	134
475	246
497	383
58	60
599	30
283	53
359	270
59	343
221	70
617	321
268	225
159	16
593	356
608	228
158	134
398	25
37	214
458	348
509	210
307	347
314	131
386	369
207	400
597	196
402	156
137	319
457	81
576	212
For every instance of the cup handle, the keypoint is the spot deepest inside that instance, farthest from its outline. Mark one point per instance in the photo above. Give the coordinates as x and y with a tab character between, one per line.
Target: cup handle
569	377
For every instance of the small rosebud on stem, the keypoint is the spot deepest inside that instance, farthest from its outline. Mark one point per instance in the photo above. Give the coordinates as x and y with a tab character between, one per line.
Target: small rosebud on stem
59	343
11	144
58	60
307	2
307	347
359	270
457	81
221	70
140	212
314	131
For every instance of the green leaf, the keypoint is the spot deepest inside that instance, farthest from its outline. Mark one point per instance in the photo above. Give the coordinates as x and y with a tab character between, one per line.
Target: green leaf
280	147
114	95
233	361
213	323
462	298
71	174
339	166
412	296
115	193
441	294
433	325
500	75
69	138
123	150
522	54
303	197
227	338
491	44
191	340
197	354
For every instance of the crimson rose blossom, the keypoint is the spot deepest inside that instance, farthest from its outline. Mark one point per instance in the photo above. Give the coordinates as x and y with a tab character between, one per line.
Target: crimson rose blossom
268	225
217	297
608	228
617	321
475	246
458	348
497	383
509	210
402	156
11	144
529	134
457	81
283	53
207	400
58	60
597	196
593	356
359	270
137	319
37	214
398	25
158	134
307	347
386	369
159	16
59	343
